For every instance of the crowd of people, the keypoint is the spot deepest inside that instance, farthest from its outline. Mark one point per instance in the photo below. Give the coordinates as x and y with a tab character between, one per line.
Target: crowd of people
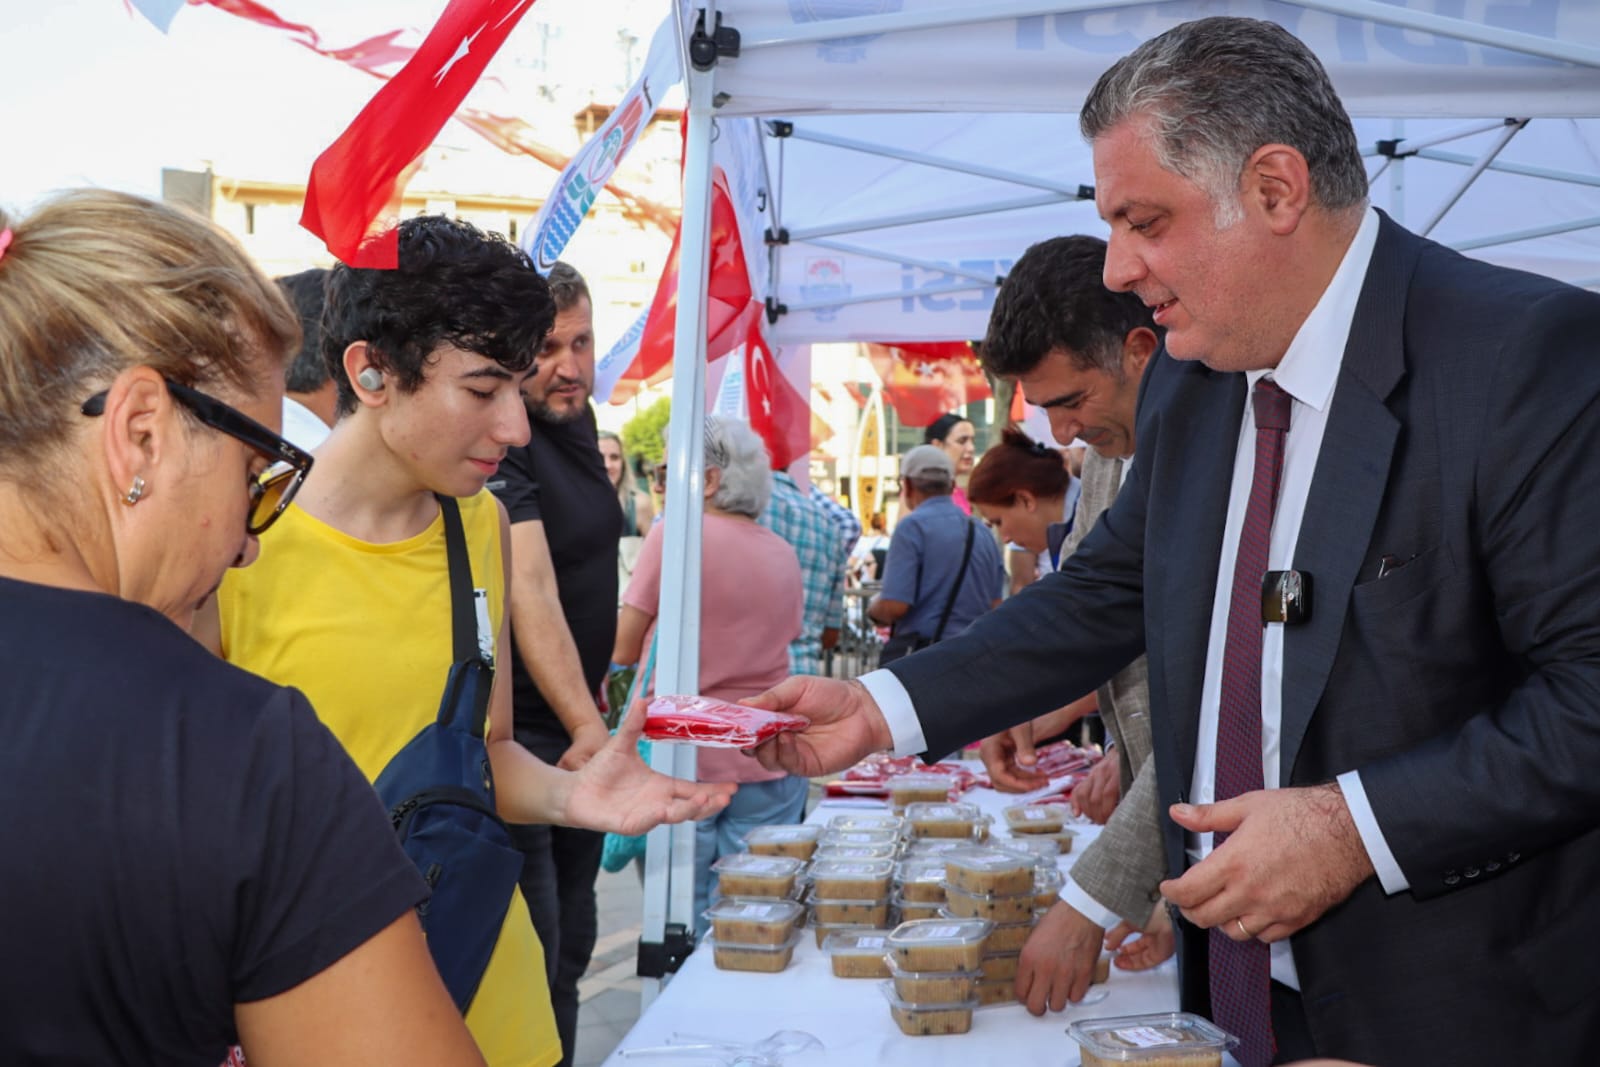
1362	821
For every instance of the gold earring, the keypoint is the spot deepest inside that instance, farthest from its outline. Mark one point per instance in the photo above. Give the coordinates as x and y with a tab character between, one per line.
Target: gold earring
135	492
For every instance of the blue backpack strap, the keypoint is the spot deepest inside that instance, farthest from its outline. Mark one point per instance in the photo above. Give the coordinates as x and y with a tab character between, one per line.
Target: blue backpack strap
463	624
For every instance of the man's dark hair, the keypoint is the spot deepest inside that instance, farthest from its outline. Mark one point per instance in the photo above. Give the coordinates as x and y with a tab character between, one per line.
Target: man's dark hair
455	284
306	372
567	286
1055	297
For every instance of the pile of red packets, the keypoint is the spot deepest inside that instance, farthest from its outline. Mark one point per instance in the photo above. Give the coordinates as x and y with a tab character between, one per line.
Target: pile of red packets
871	776
714	723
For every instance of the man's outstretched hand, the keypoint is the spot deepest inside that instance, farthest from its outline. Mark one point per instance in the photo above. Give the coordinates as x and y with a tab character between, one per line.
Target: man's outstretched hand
845	726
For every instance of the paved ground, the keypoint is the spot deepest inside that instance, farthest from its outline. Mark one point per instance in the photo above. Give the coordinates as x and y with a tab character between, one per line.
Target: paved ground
608	996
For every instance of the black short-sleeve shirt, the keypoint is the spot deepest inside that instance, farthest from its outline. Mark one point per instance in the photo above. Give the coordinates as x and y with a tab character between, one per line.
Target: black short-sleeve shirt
179	836
558	478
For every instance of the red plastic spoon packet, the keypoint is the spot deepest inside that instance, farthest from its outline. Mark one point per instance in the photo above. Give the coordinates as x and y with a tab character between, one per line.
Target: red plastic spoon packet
714	723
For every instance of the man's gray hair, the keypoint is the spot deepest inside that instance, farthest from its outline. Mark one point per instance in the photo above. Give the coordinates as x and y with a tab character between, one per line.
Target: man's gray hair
1215	90
735	449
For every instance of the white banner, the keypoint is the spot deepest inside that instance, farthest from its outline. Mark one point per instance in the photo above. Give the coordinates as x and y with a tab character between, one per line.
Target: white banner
593	165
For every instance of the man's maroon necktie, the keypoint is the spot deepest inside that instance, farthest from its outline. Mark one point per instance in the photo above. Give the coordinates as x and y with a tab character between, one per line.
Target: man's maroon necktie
1241	971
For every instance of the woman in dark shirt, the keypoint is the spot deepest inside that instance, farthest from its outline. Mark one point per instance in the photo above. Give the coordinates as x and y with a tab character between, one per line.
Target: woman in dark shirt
173	881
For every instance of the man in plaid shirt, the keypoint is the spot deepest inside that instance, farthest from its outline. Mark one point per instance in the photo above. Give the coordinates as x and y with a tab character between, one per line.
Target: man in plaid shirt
819	541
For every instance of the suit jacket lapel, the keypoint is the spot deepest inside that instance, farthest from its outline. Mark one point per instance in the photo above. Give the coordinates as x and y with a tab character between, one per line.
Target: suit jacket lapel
1348	484
1208	433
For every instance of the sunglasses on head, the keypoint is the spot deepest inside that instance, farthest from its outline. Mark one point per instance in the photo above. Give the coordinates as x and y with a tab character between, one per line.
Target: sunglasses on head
273	488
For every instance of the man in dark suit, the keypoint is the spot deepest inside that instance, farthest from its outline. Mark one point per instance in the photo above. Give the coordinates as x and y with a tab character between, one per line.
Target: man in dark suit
1402	764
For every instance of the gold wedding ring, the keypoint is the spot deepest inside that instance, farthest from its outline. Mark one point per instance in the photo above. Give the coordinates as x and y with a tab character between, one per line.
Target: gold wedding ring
1248	936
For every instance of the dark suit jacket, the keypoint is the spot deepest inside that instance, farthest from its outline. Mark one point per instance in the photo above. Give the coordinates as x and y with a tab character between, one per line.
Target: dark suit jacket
1464	438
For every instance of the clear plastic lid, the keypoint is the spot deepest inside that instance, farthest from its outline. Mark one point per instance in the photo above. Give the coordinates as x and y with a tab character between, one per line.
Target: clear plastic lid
864	871
939	933
920	870
857	821
758	866
835	837
857	852
785	945
957	891
797	833
925	812
1042	846
1134	1038
936	846
1037	818
1048	879
856	942
989	861
906	783
755	911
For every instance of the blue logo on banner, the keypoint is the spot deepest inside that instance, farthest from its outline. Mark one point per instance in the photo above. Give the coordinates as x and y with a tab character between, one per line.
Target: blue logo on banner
842	49
824	279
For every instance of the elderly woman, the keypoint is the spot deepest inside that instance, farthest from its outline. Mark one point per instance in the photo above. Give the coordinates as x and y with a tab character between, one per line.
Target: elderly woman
750	609
173	881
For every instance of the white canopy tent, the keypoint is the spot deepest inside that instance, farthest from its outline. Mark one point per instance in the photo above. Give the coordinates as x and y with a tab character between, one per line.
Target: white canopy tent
910	150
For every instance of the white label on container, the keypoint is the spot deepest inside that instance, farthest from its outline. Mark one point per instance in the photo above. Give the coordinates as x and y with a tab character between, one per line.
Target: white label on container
752	911
1146	1036
869	942
761	866
934	933
1034	814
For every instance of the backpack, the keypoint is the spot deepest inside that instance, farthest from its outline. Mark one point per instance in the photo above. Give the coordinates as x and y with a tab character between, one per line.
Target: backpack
440	794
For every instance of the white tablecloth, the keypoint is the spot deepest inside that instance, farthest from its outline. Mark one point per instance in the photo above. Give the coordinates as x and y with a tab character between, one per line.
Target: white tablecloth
852	1018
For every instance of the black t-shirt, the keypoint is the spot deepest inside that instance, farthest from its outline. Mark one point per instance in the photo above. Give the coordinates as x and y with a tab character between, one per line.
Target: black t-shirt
179	835
559	479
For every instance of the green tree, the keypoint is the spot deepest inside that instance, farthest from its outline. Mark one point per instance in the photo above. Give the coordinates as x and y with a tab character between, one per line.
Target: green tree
644	436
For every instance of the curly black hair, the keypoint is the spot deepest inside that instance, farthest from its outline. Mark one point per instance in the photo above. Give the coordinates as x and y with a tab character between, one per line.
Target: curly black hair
455	284
1055	297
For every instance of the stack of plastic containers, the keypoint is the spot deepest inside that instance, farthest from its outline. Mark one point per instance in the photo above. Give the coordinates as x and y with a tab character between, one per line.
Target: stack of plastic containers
997	885
1041	823
849	895
755	925
935	967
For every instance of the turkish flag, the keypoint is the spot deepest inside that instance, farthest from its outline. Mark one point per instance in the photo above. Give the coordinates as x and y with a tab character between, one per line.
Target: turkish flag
728	294
778	413
359	178
923	380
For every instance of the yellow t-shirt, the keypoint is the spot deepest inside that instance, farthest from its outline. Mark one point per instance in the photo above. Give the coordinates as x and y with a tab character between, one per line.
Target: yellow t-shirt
364	631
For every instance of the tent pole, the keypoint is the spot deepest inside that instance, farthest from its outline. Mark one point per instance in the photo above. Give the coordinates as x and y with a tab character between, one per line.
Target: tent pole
1513	127
669	890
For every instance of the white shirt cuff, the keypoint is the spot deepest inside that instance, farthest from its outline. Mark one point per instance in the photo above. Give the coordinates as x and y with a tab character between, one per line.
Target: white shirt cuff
1390	876
895	704
1078	899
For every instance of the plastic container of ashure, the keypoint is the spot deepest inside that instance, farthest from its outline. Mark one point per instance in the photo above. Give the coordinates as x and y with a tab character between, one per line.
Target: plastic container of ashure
916	909
730	956
857	953
856	821
851	879
1047	883
921	879
921	1020
1008	937
750	922
907	789
1037	818
742	874
1041	846
939	945
932	987
798	840
832	911
1167	1039
989	870
999	907
943	820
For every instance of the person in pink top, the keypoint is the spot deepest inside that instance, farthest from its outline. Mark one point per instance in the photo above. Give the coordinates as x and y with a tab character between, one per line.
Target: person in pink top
751	603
